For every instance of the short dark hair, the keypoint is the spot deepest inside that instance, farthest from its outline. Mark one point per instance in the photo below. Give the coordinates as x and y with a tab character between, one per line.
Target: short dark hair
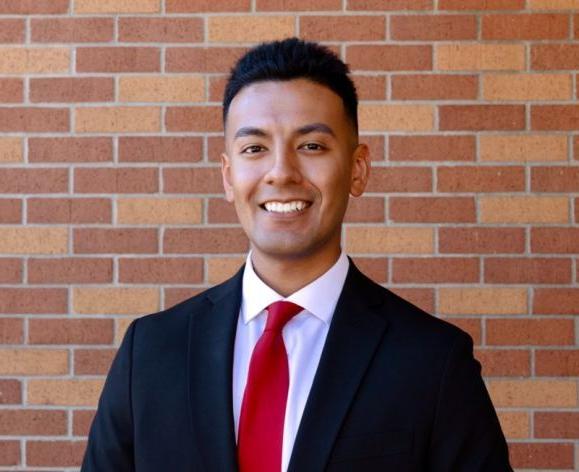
293	58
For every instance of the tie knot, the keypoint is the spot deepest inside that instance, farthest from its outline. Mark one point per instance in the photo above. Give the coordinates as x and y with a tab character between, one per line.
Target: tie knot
279	313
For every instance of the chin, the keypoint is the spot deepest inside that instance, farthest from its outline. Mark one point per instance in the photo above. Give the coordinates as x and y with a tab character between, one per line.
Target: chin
290	248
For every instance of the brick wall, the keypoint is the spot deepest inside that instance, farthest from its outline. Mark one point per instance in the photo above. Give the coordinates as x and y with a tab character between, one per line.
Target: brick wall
111	202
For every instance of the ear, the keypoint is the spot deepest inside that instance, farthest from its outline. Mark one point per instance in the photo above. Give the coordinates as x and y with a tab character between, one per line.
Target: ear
360	170
226	177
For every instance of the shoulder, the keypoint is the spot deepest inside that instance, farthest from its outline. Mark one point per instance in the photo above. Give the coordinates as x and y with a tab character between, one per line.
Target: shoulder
406	320
177	317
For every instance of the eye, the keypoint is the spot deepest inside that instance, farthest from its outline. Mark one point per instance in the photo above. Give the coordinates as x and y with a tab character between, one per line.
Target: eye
252	149
313	147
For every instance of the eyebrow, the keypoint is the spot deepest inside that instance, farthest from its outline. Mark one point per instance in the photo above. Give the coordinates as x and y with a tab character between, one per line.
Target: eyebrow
311	128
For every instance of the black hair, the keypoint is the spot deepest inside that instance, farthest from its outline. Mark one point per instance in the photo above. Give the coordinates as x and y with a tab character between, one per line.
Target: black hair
293	58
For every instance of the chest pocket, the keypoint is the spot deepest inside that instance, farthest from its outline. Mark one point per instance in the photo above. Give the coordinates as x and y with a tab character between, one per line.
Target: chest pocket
367	446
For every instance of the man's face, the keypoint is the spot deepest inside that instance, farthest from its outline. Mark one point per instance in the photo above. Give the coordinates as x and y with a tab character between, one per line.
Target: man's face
291	162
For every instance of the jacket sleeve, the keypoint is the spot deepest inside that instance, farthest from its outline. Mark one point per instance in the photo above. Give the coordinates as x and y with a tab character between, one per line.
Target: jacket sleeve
466	436
110	442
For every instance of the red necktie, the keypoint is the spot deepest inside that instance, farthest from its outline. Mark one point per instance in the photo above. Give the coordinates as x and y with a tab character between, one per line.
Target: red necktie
260	437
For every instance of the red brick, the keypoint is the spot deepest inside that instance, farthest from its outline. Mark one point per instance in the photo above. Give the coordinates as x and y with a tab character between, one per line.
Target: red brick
10	394
365	210
381	5
552	301
215	146
200	118
11	90
434	87
81	422
400	179
432	209
481	179
389	57
116	180
11	331
29	301
217	88
502	270
10	271
118	59
70	149
541	455
192	180
220	211
160	149
481	4
90	89
116	241
343	28
433	27
69	210
177	295
25	119
576	148
160	270
525	27
435	270
482	117
33	422
375	146
481	240
432	148
504	362
206	60
163	30
374	267
93	361
72	30
205	240
203	6
10	210
555	179
297	5
9	451
555	240
55	453
423	298
559	425
71	331
558	363
563	56
555	117
34	180
28	7
11	30
370	87
70	270
520	332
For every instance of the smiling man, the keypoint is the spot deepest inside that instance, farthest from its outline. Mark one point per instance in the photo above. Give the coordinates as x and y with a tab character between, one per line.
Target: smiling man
299	362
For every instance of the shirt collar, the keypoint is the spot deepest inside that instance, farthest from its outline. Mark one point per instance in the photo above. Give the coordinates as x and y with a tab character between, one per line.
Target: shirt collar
257	295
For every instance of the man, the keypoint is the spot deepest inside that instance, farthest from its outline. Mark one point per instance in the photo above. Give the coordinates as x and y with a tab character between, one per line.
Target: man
299	362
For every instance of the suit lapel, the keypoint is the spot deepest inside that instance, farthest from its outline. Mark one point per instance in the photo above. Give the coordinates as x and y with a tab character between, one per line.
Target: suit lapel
354	335
211	341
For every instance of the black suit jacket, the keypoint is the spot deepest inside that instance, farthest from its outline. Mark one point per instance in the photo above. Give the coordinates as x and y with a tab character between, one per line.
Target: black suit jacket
396	390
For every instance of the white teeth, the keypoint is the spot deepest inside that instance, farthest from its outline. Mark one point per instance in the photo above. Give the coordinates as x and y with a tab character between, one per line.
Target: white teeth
279	207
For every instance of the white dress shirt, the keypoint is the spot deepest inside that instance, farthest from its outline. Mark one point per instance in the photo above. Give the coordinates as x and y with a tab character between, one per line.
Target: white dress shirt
304	337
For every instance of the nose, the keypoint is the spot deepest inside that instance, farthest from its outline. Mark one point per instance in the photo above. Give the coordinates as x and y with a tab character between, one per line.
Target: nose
284	167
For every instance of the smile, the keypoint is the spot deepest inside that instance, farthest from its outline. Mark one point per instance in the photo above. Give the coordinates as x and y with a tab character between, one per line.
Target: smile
286	207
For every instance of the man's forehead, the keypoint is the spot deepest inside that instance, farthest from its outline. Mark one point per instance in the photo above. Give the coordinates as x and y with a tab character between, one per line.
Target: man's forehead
300	130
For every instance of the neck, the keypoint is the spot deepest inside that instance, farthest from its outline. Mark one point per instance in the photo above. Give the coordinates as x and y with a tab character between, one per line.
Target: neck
288	275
